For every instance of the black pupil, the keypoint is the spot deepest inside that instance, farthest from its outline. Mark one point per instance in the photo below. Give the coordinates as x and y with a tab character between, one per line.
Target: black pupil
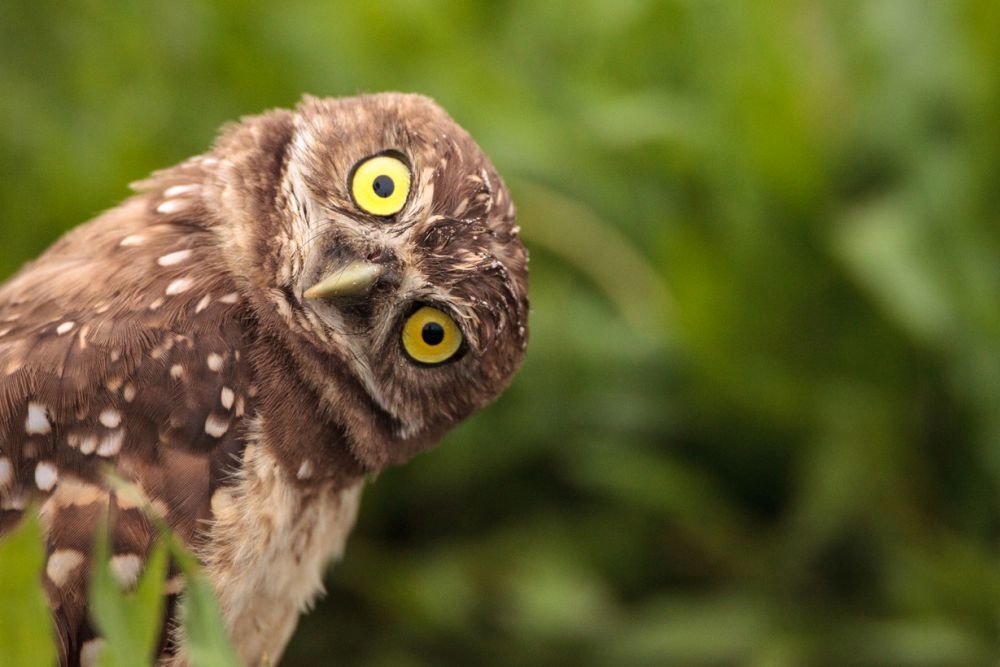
383	186
432	333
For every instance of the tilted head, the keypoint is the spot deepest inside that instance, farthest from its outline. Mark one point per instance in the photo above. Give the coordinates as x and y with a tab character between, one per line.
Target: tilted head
380	246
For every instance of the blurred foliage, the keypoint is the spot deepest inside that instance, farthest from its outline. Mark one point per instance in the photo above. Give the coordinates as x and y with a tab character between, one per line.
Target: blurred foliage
758	423
129	621
25	625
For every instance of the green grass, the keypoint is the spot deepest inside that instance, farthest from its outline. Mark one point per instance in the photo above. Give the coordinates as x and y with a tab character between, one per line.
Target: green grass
129	621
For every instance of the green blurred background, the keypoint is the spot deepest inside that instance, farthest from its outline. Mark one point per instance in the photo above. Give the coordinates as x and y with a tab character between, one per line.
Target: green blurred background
759	421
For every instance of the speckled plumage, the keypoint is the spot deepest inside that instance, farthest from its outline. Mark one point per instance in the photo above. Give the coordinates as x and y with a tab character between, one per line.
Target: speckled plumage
169	338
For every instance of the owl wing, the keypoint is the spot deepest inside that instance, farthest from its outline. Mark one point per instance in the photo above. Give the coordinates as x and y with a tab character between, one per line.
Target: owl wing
120	349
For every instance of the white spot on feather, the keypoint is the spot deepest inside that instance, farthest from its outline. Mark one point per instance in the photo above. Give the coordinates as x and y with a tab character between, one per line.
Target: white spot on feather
305	470
16	502
232	297
88	443
178	190
174	258
227	397
133	240
125	568
37	422
216	426
172	206
90	653
203	304
214	361
61	565
128	393
110	417
178	286
110	444
46	475
65	327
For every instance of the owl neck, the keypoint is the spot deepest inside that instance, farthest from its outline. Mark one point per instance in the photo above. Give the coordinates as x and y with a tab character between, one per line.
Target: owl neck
309	443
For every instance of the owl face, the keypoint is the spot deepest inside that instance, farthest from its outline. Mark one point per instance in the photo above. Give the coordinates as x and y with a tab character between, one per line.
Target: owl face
391	251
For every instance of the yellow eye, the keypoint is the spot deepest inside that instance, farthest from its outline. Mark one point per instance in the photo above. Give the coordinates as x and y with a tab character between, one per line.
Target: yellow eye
430	336
380	185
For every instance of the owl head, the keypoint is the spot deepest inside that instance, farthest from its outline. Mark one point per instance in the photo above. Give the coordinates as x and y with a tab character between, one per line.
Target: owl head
379	249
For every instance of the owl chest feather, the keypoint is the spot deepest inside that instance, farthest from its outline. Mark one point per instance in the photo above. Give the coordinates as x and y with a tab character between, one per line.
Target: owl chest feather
268	546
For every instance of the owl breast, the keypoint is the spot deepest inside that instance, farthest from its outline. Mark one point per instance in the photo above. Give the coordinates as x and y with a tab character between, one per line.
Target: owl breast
267	547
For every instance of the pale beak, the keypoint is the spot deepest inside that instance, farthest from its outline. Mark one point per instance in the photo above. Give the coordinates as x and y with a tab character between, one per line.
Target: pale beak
352	279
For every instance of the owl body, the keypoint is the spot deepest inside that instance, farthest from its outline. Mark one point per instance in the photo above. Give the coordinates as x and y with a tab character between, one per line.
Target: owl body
323	294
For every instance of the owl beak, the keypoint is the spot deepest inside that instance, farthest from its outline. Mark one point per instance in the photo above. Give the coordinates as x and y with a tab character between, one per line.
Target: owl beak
353	279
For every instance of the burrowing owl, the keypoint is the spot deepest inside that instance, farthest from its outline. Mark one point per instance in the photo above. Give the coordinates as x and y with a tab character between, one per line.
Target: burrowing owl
323	294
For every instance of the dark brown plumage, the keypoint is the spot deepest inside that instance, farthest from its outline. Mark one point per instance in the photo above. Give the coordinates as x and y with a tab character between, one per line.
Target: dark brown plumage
230	339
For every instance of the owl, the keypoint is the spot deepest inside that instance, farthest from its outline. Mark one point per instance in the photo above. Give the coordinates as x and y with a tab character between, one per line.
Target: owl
247	339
